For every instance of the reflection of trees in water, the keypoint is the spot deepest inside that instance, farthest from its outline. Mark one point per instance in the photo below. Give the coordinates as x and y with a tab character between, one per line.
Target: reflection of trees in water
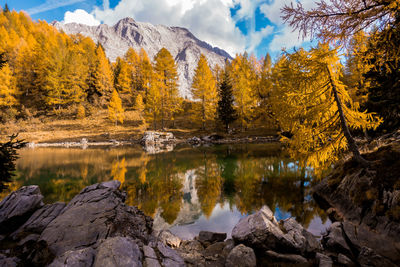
244	176
157	184
118	170
208	183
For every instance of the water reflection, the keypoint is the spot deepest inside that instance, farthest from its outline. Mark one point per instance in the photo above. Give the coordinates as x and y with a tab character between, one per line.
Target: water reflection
188	189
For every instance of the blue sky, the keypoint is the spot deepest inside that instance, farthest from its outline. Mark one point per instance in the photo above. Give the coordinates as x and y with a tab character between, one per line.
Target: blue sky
254	26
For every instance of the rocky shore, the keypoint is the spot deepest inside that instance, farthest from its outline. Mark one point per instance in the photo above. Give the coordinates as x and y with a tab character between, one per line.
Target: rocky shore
96	228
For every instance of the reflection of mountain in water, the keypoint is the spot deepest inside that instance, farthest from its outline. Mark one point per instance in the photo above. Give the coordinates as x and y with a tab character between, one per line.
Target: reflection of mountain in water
190	210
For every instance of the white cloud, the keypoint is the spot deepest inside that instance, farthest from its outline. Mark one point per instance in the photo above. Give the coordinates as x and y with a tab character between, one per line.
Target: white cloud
50	5
80	16
284	37
256	37
209	20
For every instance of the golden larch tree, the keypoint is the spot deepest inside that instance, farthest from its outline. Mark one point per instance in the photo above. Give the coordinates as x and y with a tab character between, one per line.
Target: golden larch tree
318	110
244	82
8	87
204	89
166	83
115	109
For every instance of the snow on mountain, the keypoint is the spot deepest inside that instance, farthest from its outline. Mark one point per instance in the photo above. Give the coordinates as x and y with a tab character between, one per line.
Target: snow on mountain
182	44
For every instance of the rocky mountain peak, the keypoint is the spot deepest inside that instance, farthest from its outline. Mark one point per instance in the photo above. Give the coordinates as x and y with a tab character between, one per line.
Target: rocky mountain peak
127	32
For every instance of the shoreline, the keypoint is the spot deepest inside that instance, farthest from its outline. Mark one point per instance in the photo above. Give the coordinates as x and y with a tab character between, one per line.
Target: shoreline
84	143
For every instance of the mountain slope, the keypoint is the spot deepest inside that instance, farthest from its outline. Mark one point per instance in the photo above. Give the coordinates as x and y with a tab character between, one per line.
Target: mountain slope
182	44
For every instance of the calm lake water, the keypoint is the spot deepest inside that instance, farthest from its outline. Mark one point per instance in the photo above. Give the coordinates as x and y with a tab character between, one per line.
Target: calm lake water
186	190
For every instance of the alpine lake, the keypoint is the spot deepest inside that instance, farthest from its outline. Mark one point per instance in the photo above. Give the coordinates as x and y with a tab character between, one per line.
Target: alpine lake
185	190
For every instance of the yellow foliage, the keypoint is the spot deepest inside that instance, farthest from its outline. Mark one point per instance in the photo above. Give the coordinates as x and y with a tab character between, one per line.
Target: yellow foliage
204	90
115	109
8	89
304	105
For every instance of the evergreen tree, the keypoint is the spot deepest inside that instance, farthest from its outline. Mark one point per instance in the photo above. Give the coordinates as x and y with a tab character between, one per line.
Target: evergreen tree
204	89
115	109
226	112
6	8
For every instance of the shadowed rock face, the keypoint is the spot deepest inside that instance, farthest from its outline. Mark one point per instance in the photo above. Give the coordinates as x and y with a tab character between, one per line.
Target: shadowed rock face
95	229
98	212
182	44
17	207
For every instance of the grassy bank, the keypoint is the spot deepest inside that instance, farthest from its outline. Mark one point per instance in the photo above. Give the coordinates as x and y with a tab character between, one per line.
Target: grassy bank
97	127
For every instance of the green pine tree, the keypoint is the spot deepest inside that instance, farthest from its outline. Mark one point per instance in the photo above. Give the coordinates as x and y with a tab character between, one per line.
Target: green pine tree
226	112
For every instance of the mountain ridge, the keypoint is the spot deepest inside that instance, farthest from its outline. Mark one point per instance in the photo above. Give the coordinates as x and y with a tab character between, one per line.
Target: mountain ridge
184	46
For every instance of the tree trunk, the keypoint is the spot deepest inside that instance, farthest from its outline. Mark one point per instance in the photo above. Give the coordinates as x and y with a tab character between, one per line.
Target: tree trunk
350	140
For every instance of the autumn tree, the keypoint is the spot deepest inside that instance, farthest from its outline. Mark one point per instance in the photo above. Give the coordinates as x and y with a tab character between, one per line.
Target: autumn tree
264	89
8	88
204	89
146	71
319	111
338	20
356	68
226	112
101	84
244	81
115	109
164	93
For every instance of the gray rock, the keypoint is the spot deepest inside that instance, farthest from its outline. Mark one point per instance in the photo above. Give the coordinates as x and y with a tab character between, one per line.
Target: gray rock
211	237
18	206
214	249
191	246
150	262
343	259
29	238
368	258
118	251
334	239
149	252
229	245
169	239
75	258
8	261
169	255
323	260
300	238
96	213
39	220
262	232
361	235
241	256
285	258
